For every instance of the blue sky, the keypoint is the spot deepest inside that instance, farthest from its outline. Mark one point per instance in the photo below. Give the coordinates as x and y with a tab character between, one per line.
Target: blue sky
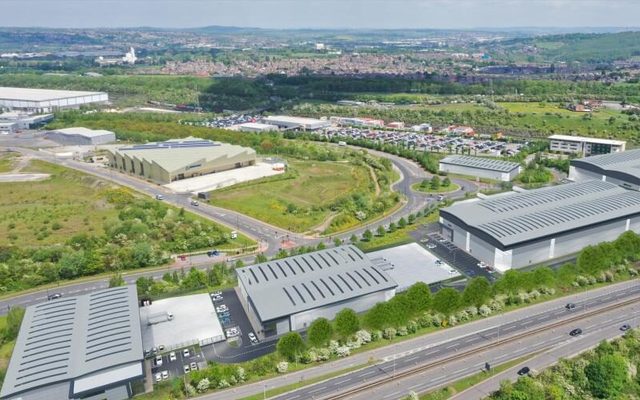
440	14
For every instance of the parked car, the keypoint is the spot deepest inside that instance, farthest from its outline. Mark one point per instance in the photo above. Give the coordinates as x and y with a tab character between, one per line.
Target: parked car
218	293
570	306
158	377
524	371
222	308
193	366
185	353
158	360
625	327
186	369
161	347
576	332
159	197
165	375
431	246
252	337
482	264
232	332
172	356
234	235
54	296
195	203
213	253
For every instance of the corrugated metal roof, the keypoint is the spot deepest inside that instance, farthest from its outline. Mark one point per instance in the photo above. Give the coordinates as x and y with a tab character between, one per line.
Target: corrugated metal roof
176	154
287	286
70	337
481	163
623	165
29	94
79	131
521	217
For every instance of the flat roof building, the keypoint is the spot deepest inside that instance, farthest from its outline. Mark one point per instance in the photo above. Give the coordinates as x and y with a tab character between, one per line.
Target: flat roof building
80	136
46	100
256	127
288	294
536	226
287	122
622	168
21	120
584	146
480	167
83	347
175	159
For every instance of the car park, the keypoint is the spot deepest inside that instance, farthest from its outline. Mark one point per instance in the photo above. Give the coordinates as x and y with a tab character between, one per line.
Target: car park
524	371
576	332
158	361
570	306
172	356
185	353
253	338
625	327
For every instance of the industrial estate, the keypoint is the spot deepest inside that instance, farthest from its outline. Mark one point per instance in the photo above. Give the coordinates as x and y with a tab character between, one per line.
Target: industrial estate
218	211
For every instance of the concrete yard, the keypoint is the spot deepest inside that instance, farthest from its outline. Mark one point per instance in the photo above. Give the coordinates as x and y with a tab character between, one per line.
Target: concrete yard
411	263
194	321
207	183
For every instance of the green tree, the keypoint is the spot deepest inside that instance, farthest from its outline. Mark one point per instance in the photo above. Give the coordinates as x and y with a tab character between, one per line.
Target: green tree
392	227
424	184
367	235
446	301
261	258
321	246
347	322
435	182
446	182
353	239
607	376
290	346
542	276
402	223
337	242
381	231
13	322
510	282
116	280
412	219
477	292
419	297
320	332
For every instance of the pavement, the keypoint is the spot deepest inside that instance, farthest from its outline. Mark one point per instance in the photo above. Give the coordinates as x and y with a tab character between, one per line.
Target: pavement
440	344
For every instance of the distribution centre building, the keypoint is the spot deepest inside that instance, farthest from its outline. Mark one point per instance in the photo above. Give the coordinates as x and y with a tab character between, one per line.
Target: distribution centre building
83	347
620	168
585	146
46	100
175	159
80	136
480	167
536	226
287	122
288	294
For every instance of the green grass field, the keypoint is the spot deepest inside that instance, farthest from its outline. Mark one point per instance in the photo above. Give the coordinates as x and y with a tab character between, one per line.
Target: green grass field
313	185
7	162
5	350
442	189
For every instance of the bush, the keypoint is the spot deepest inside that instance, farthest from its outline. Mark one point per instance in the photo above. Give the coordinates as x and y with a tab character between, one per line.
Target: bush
203	385
484	310
402	331
323	354
282	367
343	351
389	333
364	336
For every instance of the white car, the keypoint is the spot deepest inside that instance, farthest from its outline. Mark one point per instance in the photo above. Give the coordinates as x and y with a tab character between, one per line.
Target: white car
158	360
252	337
186	369
172	356
222	308
193	366
158	377
232	332
482	264
185	353
159	197
431	246
165	375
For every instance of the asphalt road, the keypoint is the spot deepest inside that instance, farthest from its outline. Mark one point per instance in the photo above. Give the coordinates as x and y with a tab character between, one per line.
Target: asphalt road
409	359
439	344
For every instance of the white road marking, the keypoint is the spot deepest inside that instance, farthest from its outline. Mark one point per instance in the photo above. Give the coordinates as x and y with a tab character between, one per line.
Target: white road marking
317	390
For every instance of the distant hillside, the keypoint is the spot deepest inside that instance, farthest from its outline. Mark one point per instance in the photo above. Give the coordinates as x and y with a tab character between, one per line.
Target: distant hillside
581	46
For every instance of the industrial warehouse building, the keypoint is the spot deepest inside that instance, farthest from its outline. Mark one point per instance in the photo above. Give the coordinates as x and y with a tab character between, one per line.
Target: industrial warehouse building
619	168
584	146
15	121
84	347
45	100
532	227
288	294
480	167
80	136
286	122
175	159
255	127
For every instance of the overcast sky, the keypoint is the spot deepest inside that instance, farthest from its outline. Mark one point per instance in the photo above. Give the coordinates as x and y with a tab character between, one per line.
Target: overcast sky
321	13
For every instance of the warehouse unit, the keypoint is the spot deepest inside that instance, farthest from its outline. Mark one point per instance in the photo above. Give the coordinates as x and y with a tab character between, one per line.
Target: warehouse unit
80	136
45	100
584	146
84	347
288	294
165	162
255	127
480	167
620	168
286	122
531	227
21	120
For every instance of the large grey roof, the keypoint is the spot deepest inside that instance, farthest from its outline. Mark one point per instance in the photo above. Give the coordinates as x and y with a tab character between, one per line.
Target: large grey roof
72	337
175	154
283	287
85	132
623	165
535	214
29	94
481	163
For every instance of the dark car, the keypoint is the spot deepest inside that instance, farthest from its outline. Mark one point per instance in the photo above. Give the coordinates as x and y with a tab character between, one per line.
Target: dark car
570	306
576	332
54	296
625	327
524	371
213	253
